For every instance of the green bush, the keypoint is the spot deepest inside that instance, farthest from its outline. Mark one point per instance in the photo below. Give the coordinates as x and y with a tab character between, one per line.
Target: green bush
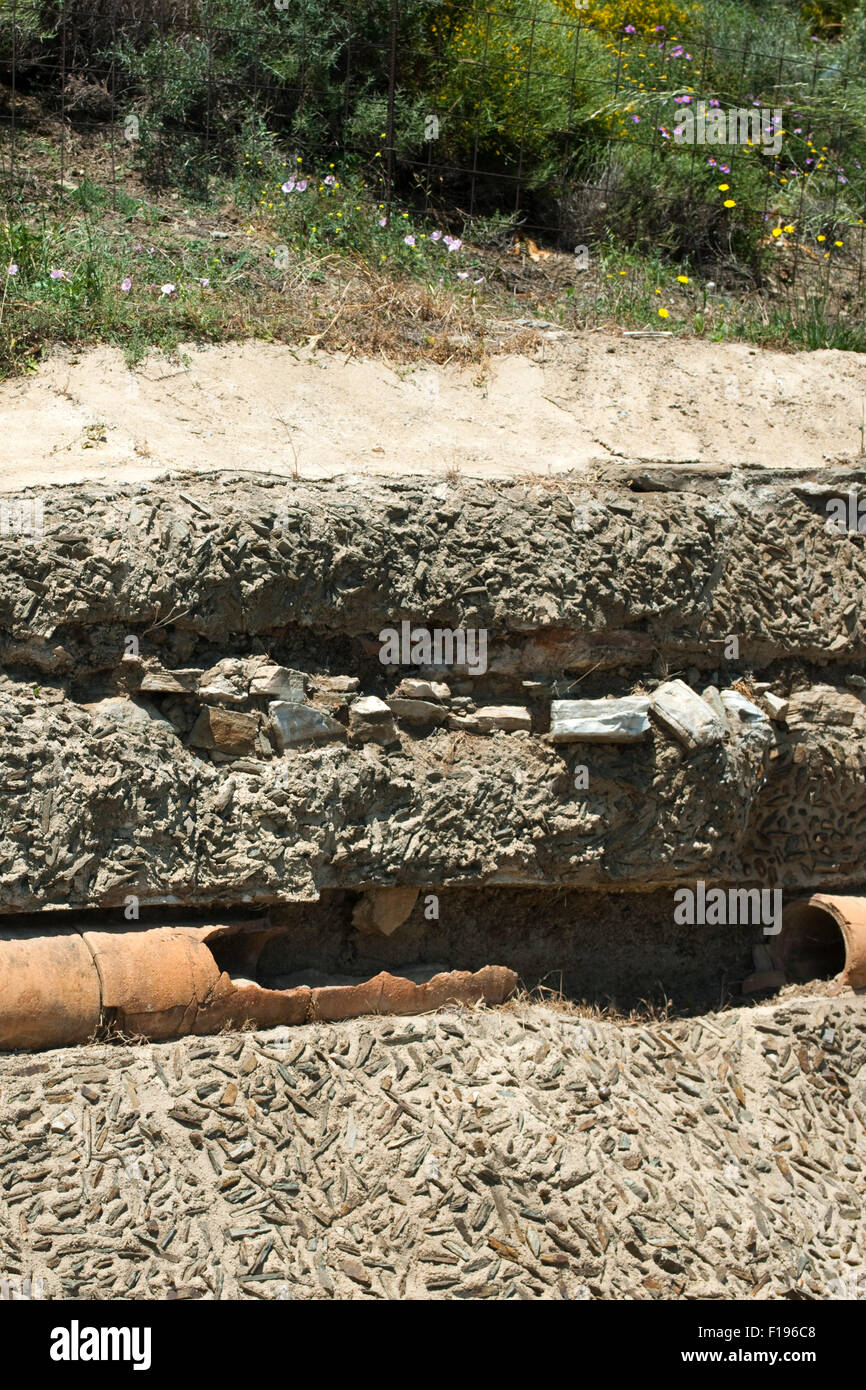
516	85
21	30
503	109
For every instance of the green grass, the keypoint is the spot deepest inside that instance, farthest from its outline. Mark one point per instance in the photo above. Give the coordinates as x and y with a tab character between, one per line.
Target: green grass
645	291
148	273
70	277
286	257
770	248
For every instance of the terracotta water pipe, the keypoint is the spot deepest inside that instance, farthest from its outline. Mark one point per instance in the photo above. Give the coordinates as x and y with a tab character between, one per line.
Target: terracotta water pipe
62	986
823	936
49	989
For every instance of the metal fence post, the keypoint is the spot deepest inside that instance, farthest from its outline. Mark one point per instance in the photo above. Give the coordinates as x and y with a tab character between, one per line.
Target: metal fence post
392	89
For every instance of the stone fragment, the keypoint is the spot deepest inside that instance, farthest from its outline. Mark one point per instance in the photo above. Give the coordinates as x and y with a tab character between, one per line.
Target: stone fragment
369	707
413	689
280	683
776	706
741	710
157	680
227	731
623	720
506	717
227	682
295	723
714	700
683	714
336	685
371	721
119	710
414	711
383	910
747	722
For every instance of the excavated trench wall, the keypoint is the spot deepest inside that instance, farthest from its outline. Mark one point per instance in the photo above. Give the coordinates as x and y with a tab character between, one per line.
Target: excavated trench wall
196	715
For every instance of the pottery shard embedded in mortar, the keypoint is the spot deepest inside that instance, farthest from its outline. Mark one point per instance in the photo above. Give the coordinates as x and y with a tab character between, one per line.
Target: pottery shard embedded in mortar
684	715
294	723
491	719
600	721
507	718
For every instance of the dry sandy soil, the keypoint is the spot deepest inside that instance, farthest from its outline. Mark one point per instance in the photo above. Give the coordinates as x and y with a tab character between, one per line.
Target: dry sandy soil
579	400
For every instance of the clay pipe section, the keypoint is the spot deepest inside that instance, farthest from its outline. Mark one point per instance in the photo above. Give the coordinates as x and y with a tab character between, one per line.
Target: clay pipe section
164	982
823	936
392	994
49	989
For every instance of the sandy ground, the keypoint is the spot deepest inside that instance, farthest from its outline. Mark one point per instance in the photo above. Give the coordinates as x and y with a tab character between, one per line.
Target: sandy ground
580	400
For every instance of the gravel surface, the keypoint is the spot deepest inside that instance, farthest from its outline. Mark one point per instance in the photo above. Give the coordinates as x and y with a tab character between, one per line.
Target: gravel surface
514	1153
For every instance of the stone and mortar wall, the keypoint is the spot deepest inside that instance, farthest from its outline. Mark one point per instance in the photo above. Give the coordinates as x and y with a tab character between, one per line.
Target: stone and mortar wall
248	746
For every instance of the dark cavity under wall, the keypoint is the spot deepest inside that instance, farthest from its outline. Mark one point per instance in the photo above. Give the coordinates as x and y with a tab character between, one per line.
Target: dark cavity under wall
617	949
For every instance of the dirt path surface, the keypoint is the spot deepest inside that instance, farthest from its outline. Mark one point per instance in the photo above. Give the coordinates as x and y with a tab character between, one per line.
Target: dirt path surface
579	400
512	1153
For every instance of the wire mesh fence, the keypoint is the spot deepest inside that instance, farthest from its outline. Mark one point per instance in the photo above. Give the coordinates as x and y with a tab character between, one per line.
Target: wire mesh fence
532	116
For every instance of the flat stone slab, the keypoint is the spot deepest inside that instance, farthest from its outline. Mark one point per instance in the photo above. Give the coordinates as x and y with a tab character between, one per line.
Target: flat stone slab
686	716
415	711
280	683
625	720
159	681
506	717
824	704
293	723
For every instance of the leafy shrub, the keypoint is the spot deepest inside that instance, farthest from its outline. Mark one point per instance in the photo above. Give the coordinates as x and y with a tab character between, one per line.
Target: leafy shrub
646	16
21	30
516	81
